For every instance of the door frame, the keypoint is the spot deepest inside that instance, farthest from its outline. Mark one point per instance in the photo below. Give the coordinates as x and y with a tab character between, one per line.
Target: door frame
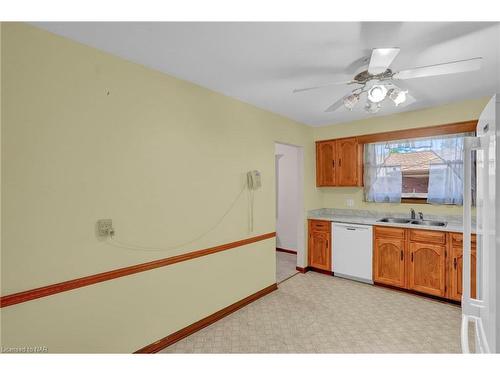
301	222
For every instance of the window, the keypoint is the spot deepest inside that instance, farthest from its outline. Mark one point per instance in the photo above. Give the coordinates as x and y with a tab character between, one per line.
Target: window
427	169
414	162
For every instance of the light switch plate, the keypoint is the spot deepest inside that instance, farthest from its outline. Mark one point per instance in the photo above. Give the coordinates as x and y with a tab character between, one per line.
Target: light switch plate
349	202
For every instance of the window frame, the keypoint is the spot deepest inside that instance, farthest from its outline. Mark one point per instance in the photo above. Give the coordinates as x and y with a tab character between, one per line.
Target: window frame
414	200
429	131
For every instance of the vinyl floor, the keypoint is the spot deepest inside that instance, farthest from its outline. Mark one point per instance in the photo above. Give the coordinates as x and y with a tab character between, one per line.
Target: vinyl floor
315	313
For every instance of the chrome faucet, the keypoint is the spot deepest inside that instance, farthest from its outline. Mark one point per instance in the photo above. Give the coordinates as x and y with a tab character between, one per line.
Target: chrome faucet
421	216
412	214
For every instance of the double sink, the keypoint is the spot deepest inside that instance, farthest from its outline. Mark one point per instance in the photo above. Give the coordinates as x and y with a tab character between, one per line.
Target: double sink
397	220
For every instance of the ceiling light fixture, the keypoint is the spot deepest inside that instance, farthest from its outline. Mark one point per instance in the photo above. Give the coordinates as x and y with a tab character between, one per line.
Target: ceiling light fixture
350	101
398	96
377	93
372	107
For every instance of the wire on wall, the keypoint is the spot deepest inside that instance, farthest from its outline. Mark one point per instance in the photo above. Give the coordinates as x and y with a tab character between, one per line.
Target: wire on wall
111	239
251	209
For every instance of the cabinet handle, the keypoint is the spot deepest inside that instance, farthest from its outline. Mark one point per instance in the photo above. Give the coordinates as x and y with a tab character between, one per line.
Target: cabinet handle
401	254
333	162
412	257
340	163
326	243
455	263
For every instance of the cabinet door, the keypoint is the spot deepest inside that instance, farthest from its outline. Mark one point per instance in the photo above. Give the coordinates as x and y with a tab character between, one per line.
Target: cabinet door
388	261
325	163
319	250
427	268
348	163
456	273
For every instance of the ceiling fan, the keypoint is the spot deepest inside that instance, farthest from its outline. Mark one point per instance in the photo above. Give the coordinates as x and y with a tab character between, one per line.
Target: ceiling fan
378	81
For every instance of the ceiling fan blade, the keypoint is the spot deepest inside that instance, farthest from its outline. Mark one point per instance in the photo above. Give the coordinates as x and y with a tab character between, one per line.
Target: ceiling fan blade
335	105
381	59
440	69
321	86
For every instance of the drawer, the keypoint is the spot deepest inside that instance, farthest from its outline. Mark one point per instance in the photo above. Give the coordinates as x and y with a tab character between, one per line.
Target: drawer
433	236
457	239
320	225
389	232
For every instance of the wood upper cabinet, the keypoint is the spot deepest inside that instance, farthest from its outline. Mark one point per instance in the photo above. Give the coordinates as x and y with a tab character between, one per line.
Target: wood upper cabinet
339	162
325	163
427	267
456	266
319	246
388	256
350	165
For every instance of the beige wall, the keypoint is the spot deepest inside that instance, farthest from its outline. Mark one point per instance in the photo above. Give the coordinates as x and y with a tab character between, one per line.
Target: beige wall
455	112
162	157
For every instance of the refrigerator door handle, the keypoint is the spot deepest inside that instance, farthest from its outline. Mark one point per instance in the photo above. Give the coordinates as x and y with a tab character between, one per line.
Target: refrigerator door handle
479	335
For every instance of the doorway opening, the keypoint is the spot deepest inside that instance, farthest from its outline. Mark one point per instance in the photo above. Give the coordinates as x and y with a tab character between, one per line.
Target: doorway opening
290	233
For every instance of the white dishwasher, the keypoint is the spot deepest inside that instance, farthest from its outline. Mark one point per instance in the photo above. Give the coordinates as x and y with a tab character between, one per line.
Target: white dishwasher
352	251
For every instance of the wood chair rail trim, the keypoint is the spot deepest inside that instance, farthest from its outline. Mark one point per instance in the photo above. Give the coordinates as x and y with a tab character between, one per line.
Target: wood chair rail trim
28	295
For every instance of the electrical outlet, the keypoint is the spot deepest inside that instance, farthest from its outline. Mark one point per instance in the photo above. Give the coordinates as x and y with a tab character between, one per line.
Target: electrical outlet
349	202
105	227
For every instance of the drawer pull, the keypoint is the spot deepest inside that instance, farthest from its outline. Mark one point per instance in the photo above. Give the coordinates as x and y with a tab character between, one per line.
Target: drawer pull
455	263
401	254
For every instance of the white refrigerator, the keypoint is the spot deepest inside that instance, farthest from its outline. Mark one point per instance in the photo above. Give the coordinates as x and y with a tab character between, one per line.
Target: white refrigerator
482	312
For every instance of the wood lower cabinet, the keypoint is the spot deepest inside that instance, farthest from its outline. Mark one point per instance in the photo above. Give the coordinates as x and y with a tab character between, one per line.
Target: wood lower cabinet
424	261
319	246
456	266
388	256
427	267
339	162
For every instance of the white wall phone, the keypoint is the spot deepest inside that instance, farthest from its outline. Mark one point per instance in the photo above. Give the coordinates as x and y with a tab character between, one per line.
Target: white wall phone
253	183
253	180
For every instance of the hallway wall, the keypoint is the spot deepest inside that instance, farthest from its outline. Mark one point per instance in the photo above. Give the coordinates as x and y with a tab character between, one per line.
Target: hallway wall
287	197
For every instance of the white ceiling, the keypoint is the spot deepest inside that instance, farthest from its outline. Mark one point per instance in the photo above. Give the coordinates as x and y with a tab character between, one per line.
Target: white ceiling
261	63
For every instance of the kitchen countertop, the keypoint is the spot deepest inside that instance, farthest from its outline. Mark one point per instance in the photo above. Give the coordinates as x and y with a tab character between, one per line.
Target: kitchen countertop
366	217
